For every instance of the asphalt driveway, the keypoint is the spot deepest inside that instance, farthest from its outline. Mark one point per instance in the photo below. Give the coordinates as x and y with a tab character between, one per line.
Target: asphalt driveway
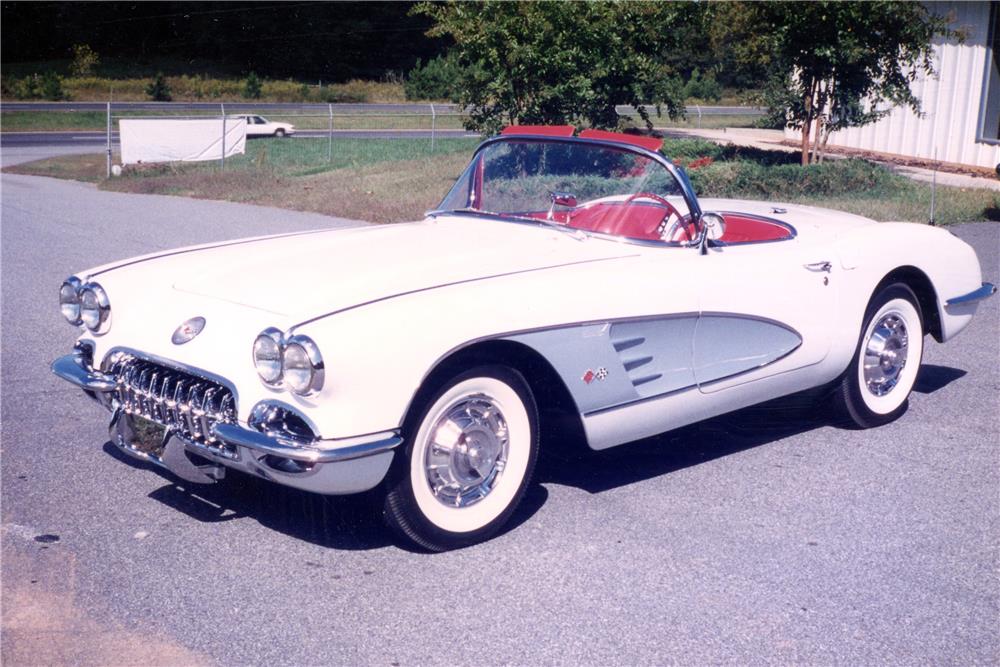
764	536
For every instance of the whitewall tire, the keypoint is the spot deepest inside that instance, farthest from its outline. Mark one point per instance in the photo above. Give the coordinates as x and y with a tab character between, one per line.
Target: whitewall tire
875	388
468	459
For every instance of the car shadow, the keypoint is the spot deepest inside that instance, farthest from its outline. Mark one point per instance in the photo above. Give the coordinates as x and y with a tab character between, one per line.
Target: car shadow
339	522
931	378
354	522
688	446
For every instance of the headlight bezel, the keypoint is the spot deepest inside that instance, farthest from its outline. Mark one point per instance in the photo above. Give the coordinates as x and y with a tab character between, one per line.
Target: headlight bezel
95	319
103	307
74	284
315	359
278	338
316	367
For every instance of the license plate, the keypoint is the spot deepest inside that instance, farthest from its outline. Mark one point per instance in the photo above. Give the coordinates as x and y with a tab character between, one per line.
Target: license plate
147	436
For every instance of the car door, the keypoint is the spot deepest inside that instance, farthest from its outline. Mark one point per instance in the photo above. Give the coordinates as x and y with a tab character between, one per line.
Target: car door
765	310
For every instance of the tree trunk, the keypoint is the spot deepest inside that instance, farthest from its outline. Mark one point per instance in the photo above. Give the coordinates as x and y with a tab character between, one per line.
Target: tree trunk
807	105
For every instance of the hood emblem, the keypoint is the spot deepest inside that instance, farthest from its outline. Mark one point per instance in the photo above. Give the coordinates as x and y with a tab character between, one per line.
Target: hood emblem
188	329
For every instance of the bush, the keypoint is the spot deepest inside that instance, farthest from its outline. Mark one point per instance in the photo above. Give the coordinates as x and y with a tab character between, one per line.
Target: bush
434	81
29	88
745	178
85	59
158	90
51	87
702	87
252	87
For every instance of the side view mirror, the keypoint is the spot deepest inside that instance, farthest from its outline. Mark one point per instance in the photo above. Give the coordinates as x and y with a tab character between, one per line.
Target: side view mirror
713	228
560	199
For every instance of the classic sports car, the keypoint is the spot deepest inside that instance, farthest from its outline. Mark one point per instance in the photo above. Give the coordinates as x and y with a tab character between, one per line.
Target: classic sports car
564	273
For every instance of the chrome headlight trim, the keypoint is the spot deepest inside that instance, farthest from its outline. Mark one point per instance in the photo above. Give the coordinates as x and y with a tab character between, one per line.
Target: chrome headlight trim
315	359
69	300
278	338
99	322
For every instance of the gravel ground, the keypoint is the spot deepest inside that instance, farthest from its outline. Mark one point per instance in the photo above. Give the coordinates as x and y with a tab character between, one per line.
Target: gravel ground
764	536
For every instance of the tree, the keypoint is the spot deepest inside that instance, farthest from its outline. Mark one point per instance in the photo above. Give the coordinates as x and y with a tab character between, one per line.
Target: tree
252	87
158	90
833	65
560	62
85	59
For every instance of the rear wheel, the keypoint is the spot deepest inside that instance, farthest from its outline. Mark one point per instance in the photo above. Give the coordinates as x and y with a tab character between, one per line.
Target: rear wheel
875	387
469	457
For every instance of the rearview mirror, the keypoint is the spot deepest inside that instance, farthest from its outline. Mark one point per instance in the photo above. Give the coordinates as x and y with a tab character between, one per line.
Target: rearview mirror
713	227
560	199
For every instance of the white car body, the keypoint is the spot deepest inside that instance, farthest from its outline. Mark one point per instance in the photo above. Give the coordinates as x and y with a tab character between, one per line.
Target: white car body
725	328
258	126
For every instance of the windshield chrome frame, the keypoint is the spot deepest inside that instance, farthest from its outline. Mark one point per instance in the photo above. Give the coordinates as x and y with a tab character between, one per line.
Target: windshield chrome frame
677	173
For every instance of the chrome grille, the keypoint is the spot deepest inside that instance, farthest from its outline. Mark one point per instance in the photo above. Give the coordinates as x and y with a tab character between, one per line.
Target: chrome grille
184	403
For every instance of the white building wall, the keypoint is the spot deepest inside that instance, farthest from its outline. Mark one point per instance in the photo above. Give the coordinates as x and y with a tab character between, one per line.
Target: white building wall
951	102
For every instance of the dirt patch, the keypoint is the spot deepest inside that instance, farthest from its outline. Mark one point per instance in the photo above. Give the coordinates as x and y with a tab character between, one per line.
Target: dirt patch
43	623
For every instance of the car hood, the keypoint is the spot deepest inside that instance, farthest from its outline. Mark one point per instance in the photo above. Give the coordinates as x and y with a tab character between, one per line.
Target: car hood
308	276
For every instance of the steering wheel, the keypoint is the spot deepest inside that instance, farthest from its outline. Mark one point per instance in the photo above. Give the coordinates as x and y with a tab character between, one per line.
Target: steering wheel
676	229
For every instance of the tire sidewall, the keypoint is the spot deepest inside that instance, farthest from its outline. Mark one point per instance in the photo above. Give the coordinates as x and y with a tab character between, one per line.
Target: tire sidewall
866	408
423	518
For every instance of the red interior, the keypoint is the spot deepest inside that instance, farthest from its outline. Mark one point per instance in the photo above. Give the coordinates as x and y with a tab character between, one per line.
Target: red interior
641	220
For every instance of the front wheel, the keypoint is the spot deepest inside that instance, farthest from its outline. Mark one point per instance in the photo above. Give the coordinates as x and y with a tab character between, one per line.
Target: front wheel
875	387
279	133
469	457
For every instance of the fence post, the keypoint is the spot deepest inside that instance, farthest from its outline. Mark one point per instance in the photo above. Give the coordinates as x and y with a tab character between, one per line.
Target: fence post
698	109
222	165
433	126
108	169
329	145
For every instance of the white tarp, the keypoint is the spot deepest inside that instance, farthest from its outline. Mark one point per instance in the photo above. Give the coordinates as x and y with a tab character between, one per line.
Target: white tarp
187	140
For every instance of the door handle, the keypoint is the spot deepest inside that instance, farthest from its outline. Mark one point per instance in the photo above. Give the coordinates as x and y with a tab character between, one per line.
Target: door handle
819	266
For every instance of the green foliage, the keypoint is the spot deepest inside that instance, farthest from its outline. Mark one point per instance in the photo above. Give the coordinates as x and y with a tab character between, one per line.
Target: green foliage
437	80
30	87
838	64
158	90
702	87
47	86
749	179
51	87
560	62
85	59
252	87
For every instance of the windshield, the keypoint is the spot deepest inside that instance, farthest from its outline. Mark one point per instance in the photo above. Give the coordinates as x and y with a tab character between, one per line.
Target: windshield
586	186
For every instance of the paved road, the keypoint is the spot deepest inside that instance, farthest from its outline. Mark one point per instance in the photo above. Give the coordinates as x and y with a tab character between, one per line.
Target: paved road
767	536
99	139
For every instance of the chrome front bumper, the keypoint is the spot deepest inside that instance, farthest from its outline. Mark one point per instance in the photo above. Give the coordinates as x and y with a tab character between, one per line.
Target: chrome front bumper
987	290
336	467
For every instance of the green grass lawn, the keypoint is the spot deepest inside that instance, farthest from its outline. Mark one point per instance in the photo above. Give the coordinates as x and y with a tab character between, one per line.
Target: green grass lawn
387	180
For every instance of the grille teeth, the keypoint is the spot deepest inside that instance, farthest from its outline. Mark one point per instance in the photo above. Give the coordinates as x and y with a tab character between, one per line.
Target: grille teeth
185	403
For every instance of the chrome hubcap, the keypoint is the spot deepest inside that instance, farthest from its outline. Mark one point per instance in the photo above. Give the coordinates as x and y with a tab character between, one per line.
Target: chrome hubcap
885	354
467	452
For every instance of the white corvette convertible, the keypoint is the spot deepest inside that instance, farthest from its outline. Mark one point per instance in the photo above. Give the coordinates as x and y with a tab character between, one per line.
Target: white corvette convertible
562	271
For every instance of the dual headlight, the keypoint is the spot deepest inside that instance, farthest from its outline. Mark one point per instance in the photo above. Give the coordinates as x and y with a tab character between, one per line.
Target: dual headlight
85	304
294	362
